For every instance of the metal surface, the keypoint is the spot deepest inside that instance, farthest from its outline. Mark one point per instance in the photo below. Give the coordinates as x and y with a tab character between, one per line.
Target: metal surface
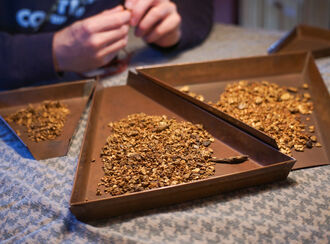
210	78
304	38
265	164
74	94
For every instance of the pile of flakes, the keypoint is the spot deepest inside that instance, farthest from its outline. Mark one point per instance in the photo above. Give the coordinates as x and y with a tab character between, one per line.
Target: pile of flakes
43	122
273	109
145	152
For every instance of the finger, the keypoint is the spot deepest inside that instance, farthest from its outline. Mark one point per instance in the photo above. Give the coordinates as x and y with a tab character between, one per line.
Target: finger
171	23
139	10
168	40
102	39
106	21
154	16
113	10
113	48
129	4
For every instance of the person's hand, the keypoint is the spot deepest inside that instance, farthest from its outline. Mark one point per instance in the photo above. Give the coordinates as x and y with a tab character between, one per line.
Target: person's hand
156	21
91	43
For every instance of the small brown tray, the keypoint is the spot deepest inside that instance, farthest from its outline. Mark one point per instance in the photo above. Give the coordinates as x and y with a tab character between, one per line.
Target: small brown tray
304	38
141	95
74	94
210	79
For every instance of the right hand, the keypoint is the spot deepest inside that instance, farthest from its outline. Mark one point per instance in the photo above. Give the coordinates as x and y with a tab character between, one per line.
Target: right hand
156	21
91	43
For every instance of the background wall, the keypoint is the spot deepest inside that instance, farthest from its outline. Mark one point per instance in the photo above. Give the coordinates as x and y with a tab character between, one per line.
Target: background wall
226	11
273	14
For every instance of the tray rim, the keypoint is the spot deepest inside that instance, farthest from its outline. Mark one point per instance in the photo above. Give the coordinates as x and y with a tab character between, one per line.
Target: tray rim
42	87
152	66
282	168
90	81
308	62
261	135
277	46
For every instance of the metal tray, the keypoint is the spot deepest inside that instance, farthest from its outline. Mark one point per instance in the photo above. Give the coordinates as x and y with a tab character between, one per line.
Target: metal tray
210	79
74	94
304	38
141	95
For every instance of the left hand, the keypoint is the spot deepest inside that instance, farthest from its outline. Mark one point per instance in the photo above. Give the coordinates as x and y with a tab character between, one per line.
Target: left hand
156	21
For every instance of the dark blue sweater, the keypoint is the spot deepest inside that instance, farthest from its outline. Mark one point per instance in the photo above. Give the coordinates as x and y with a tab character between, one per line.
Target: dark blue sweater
26	54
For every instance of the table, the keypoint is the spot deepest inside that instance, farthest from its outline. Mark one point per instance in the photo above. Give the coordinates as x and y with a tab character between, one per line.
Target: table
35	195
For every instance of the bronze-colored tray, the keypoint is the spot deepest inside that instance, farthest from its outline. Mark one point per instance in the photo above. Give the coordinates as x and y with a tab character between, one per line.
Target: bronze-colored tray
304	38
141	95
210	79
74	94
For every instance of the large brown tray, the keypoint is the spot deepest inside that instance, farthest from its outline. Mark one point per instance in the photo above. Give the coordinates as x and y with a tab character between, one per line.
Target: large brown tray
304	38
74	94
141	95
210	79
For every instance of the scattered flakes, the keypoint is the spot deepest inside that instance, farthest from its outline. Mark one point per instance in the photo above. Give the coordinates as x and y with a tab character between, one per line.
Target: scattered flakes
206	143
160	152
307	96
311	128
231	100
285	96
42	122
299	148
305	86
241	106
313	138
292	89
93	160
304	108
160	126
200	98
185	89
318	144
258	100
196	170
